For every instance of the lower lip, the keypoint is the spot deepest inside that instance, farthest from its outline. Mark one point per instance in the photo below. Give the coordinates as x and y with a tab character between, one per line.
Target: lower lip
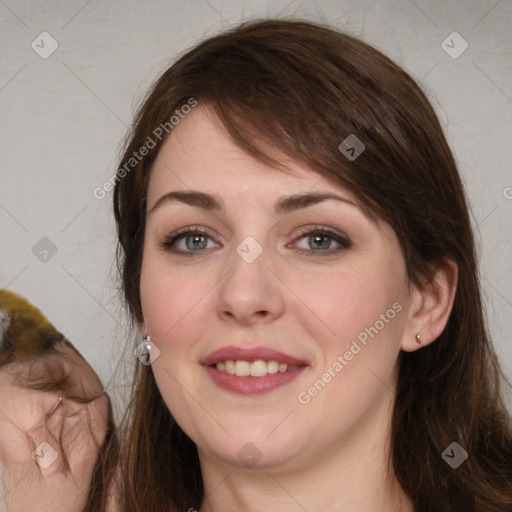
252	385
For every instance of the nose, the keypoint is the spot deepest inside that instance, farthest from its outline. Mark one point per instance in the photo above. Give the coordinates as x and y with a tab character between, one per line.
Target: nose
250	292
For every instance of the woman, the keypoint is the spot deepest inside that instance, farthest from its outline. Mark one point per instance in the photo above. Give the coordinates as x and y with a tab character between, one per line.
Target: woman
295	247
55	419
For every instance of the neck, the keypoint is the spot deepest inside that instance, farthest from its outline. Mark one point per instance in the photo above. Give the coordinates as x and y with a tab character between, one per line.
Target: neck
353	476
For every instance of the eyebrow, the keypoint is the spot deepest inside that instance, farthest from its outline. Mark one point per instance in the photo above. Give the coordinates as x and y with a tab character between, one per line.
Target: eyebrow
212	202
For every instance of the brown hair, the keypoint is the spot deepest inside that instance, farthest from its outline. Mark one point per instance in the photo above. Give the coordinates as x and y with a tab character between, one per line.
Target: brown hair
302	88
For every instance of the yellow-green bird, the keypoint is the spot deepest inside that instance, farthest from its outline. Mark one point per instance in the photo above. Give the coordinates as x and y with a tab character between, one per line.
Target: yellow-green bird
24	330
48	360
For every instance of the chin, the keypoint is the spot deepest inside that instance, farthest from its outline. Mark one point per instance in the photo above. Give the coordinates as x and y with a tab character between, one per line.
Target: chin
254	449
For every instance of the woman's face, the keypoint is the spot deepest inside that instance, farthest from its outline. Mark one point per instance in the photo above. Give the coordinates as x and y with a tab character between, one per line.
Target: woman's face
277	274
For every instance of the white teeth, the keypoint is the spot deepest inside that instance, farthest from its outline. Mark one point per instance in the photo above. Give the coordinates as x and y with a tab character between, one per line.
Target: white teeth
272	367
258	368
242	368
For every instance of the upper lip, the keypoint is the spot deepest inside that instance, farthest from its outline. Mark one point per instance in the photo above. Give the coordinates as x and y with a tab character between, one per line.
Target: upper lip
232	353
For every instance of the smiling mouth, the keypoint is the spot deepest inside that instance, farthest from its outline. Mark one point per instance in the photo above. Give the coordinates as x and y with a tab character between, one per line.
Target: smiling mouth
252	371
257	368
247	384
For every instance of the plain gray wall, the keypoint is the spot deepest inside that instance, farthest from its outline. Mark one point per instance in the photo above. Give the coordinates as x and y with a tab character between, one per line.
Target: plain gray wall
63	117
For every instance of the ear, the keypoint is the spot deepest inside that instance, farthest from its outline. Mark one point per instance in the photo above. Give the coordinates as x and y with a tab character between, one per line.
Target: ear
431	307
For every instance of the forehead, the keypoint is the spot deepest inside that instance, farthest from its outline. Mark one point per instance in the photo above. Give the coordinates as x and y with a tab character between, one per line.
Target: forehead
199	154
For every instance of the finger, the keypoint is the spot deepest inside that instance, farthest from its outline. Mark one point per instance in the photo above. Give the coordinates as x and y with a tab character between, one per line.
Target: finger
45	440
84	434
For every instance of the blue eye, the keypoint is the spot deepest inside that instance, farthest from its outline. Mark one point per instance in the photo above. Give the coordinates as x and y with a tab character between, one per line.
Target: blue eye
321	240
194	240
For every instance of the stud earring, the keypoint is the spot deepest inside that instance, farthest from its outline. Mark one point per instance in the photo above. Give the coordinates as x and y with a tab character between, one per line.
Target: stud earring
418	339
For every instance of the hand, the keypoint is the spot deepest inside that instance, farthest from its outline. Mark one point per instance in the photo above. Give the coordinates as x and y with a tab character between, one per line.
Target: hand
49	442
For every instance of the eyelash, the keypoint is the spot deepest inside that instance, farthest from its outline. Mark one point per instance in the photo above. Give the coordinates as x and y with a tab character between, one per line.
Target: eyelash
343	241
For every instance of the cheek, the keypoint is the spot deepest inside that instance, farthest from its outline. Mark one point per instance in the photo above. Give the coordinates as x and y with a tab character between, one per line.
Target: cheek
363	314
172	301
171	310
342	305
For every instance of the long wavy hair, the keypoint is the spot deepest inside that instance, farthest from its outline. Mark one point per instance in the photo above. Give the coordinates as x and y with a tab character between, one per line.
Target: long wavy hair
302	88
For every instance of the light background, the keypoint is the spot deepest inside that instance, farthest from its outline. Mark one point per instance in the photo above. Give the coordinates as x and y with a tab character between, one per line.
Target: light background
63	119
